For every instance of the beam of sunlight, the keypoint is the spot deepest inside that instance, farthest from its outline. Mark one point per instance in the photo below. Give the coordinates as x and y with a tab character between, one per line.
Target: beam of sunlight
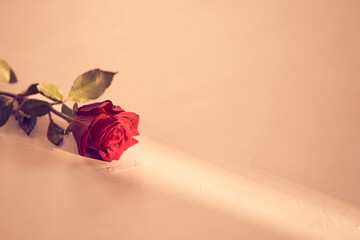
251	194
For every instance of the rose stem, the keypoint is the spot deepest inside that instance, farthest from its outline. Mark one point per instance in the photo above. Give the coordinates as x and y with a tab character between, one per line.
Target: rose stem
8	94
63	116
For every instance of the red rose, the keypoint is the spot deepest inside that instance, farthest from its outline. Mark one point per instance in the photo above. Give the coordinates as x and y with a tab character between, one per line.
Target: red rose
104	129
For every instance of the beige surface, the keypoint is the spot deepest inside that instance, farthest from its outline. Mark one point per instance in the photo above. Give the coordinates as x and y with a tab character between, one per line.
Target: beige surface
249	120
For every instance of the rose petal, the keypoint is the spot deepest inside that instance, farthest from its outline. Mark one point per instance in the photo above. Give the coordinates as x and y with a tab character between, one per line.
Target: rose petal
93	106
83	143
105	128
100	128
113	144
134	119
80	132
113	109
104	155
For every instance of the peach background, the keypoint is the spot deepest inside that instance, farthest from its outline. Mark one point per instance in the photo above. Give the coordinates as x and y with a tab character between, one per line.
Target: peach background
249	120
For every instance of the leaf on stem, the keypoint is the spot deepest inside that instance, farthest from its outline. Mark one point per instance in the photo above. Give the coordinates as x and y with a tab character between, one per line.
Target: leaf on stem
26	122
35	107
90	85
31	90
6	108
50	90
55	133
6	73
66	110
75	108
68	129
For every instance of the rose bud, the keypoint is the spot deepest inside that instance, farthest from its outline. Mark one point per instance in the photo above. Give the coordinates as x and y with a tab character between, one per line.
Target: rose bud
104	130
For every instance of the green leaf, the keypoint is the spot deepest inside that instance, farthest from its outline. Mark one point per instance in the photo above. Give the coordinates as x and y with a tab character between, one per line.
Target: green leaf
66	110
6	108
35	107
90	85
31	90
68	129
55	133
51	91
6	73
75	108
26	122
